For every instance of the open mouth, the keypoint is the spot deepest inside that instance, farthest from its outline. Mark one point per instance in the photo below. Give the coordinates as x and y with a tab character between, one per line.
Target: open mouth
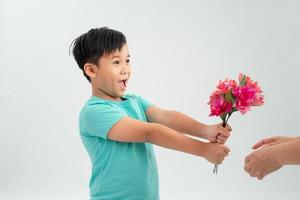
123	83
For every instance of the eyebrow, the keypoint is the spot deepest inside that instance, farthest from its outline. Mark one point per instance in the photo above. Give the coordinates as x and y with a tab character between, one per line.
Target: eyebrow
116	56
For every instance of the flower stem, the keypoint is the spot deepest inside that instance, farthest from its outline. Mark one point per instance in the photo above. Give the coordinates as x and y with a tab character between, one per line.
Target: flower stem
225	120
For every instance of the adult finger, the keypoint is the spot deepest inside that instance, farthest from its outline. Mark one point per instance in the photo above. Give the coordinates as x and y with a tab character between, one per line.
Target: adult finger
247	168
253	172
261	176
263	142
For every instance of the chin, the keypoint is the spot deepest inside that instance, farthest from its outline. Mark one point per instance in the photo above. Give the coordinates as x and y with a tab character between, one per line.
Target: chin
120	94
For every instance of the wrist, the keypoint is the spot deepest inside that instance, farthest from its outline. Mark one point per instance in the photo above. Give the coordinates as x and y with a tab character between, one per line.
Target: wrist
204	131
278	153
203	152
297	138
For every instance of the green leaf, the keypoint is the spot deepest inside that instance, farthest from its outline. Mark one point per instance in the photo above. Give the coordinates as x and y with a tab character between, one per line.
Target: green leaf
229	97
243	81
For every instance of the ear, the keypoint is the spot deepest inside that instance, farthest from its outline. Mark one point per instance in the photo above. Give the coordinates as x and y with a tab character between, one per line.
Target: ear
89	69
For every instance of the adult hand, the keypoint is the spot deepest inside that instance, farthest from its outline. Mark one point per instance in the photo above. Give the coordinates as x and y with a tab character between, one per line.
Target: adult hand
263	161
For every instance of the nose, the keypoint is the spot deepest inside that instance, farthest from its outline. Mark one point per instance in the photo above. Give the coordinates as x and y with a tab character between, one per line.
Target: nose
126	70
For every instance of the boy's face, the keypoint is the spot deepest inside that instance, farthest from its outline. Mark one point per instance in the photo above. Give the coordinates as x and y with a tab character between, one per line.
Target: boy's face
112	74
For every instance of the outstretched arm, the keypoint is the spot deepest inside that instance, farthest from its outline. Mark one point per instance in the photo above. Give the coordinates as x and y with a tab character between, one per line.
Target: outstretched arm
131	130
187	125
289	152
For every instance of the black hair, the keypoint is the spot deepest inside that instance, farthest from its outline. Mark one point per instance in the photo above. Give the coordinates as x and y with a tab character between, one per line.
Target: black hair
91	46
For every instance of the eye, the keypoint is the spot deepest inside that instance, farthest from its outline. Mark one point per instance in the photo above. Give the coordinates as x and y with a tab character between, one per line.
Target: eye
116	62
127	61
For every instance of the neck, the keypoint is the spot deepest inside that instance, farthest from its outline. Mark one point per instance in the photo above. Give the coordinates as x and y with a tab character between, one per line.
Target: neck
102	94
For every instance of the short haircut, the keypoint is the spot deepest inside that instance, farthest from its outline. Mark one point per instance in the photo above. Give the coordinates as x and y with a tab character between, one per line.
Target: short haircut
91	46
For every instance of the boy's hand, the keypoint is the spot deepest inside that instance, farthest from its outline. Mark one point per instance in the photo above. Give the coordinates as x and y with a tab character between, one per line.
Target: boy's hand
215	153
217	133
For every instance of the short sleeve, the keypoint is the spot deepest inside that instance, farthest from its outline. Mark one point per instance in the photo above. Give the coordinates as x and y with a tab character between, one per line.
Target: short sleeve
145	104
99	119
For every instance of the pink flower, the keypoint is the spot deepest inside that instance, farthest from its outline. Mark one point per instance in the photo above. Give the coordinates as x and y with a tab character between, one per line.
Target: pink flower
244	98
227	85
218	104
258	98
230	97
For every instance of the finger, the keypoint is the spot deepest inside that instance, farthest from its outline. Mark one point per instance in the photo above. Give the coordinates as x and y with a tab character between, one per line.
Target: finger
257	170
228	127
224	132
253	173
265	173
220	161
258	144
222	138
220	141
247	168
225	153
260	177
247	160
226	149
262	142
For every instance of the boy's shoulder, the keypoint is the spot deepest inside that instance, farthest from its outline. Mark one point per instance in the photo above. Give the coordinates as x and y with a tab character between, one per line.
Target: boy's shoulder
98	105
96	101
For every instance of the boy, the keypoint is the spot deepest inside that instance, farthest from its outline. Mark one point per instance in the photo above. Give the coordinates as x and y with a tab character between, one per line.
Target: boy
118	130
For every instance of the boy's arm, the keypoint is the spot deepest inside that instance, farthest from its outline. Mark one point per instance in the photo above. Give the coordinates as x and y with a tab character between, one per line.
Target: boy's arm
131	130
185	124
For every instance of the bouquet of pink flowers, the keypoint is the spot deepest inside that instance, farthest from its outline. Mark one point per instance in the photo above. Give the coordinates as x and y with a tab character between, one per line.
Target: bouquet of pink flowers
230	97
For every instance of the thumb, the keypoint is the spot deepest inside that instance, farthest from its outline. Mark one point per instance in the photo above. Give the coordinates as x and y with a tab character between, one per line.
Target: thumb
263	142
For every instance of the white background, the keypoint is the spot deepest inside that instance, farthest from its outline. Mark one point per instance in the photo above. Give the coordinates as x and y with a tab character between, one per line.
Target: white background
179	50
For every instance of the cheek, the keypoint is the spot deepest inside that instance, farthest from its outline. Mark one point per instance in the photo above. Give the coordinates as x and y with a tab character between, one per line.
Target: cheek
99	82
102	80
111	80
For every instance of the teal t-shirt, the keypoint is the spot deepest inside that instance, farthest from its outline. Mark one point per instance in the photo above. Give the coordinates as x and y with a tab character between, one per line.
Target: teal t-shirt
120	170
